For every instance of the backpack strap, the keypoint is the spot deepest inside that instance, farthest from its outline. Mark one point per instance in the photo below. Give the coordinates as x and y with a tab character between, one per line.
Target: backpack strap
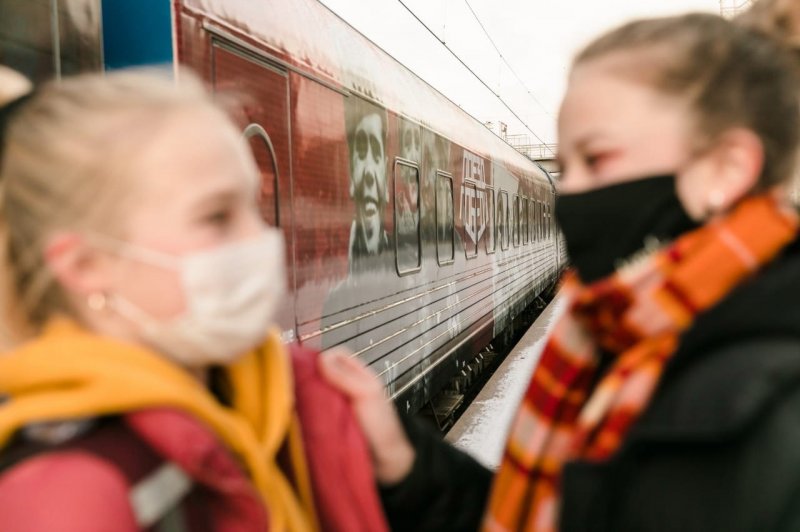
157	488
156	499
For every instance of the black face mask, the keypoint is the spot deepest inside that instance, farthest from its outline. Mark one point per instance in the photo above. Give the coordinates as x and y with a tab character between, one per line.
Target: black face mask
604	227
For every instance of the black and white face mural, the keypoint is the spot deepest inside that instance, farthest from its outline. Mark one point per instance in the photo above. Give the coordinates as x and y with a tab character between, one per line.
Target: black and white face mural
410	141
445	233
407	197
366	137
435	154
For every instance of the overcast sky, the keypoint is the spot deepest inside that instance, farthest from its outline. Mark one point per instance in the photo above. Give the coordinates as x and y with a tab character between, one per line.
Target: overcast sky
537	38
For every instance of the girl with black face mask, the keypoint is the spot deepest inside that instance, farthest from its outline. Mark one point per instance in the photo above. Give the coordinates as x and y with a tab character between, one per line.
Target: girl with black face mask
605	226
668	397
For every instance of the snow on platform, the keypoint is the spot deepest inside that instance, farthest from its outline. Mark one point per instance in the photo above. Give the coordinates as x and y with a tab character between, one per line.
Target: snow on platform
481	431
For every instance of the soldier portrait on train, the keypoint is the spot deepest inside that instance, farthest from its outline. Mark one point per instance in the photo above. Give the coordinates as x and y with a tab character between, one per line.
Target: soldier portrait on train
410	141
444	218
435	157
366	140
407	191
370	250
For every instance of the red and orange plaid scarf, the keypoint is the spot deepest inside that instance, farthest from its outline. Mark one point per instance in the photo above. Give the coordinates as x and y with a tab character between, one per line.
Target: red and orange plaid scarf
637	315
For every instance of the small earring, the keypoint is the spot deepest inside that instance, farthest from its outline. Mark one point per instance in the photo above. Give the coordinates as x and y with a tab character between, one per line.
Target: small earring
97	301
716	200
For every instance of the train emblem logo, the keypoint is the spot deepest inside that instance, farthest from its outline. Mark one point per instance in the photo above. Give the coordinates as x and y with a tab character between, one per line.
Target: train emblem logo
473	199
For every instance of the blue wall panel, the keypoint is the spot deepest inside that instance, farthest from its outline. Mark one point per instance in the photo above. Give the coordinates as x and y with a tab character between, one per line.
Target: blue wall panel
136	33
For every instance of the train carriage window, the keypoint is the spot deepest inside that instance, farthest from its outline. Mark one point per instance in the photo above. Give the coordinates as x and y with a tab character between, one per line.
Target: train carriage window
528	209
503	227
532	220
515	220
406	217
445	228
546	215
547	218
512	226
491	226
525	218
541	220
264	154
471	218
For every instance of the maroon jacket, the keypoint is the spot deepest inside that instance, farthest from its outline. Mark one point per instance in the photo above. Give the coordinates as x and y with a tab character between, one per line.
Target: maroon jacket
99	481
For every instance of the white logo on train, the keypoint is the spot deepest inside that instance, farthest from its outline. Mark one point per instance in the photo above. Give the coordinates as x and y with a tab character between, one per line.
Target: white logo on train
473	199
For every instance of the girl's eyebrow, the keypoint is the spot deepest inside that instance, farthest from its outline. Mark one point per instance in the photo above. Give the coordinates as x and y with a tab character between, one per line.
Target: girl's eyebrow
216	199
580	144
587	139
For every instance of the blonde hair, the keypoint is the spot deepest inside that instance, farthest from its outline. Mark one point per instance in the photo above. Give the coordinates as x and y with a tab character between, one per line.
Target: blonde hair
66	167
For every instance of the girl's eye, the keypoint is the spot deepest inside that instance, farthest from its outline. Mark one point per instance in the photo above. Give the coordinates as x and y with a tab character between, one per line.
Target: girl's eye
594	160
218	218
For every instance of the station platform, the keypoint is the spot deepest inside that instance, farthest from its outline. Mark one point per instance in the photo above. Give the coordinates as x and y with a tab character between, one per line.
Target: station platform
481	430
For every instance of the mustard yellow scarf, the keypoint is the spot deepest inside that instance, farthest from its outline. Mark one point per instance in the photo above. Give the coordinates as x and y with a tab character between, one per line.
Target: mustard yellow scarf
68	373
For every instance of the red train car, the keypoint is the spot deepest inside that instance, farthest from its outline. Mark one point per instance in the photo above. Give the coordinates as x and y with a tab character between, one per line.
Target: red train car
414	235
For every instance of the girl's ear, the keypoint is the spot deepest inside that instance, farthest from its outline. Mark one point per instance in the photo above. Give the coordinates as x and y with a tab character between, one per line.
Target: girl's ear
736	162
78	267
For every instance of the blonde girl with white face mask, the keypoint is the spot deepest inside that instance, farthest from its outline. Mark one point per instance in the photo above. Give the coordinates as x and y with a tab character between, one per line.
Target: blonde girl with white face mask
143	385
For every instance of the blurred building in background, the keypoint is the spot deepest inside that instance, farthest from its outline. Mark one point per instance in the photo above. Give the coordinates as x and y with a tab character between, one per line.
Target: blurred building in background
730	8
498	128
544	154
50	38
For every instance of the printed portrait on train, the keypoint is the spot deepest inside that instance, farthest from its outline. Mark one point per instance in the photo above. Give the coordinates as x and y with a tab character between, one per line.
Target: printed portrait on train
406	198
410	141
445	224
435	158
366	138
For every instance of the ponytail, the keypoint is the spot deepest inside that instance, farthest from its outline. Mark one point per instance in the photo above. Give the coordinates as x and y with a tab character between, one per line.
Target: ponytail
779	19
15	90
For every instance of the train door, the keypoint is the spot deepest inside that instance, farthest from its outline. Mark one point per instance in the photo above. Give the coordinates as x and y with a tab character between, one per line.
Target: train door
264	88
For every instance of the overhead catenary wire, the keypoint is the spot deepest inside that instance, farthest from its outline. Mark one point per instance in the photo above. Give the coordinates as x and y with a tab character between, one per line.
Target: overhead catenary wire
465	65
503	58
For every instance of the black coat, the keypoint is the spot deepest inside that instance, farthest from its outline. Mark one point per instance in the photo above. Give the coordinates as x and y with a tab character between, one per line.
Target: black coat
717	448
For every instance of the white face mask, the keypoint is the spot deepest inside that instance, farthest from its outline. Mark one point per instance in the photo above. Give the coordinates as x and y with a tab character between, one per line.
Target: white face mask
231	292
